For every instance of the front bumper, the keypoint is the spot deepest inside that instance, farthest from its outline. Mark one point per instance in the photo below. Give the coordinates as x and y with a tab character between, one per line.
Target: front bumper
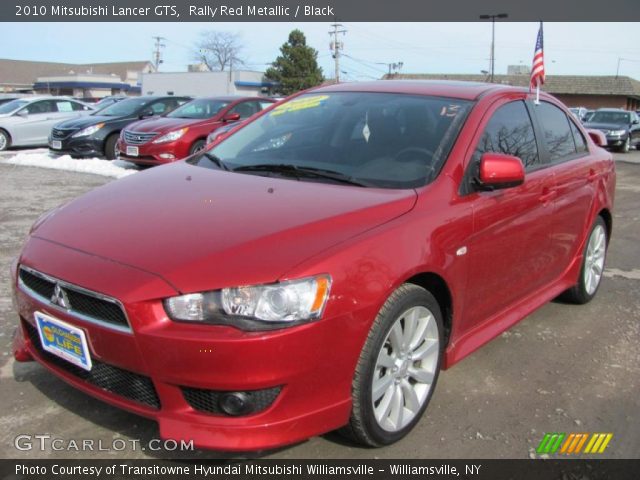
311	366
79	147
153	154
616	140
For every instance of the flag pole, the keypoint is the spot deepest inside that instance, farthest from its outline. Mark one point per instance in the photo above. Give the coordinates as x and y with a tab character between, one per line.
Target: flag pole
537	102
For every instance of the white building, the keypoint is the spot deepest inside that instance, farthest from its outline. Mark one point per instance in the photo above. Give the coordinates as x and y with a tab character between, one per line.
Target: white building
206	84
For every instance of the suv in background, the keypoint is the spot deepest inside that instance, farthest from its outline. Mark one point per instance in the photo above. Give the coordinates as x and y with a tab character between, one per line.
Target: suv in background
621	127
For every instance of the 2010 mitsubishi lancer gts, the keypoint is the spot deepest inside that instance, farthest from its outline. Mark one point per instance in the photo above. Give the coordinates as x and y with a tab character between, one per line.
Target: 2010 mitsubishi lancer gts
317	269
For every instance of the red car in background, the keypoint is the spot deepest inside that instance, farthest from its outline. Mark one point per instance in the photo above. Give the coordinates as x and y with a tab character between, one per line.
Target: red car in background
183	131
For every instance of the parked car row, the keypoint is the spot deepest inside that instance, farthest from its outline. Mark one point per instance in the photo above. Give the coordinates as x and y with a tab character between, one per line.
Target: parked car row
620	127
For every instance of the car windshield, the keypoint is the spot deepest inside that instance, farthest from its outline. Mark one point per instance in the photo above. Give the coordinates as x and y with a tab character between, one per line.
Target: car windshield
12	105
124	108
622	118
199	109
379	140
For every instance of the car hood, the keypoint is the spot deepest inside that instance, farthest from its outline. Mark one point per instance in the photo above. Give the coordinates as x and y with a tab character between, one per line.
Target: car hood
202	229
87	121
606	126
163	124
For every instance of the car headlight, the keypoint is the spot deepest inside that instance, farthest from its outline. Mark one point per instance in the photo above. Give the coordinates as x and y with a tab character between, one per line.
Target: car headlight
171	136
617	132
88	131
255	307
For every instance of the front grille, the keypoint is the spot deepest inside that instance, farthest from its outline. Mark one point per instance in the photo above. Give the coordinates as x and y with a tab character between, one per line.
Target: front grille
79	301
137	138
209	400
115	380
61	133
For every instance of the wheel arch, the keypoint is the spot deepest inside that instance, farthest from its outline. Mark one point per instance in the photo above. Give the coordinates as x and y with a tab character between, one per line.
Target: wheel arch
605	213
438	287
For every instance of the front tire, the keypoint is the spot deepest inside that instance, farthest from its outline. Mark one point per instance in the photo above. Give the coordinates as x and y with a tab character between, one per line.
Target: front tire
5	140
592	265
398	368
110	146
625	147
197	146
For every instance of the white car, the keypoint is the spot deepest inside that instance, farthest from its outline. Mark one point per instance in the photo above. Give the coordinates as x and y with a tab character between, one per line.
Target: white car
28	121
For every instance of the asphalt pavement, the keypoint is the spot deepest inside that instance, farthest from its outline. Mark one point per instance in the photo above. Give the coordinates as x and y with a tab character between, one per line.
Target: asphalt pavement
565	368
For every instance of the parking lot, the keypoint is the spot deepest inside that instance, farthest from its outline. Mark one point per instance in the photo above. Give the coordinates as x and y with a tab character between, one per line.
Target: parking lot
565	368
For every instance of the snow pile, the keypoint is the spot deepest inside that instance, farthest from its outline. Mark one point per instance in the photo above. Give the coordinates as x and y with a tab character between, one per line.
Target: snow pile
95	166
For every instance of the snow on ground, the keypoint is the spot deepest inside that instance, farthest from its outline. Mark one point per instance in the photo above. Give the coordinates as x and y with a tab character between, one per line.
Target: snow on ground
41	158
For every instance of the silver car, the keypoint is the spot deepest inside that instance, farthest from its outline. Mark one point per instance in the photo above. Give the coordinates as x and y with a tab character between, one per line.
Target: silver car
28	121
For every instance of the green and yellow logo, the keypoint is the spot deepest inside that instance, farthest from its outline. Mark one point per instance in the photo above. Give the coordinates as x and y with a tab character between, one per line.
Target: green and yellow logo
573	443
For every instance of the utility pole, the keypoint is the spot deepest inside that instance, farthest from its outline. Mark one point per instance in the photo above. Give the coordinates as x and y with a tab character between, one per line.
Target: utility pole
394	67
493	17
336	46
157	54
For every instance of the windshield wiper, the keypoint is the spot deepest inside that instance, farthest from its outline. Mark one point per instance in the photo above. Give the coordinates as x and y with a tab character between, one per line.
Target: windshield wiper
299	172
216	160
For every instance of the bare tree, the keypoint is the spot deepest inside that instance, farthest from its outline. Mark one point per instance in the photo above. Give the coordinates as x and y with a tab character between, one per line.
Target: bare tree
219	50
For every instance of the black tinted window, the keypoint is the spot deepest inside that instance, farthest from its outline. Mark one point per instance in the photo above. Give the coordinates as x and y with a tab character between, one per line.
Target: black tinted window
510	132
578	138
44	106
557	132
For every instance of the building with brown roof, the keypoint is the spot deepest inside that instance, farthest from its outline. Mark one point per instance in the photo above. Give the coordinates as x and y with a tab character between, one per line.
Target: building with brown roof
573	90
78	80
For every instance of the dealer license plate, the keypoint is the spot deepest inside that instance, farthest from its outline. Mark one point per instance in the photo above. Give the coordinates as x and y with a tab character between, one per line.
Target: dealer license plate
63	340
56	144
132	151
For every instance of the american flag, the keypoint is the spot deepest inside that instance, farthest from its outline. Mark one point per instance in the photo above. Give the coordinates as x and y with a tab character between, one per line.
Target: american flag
537	69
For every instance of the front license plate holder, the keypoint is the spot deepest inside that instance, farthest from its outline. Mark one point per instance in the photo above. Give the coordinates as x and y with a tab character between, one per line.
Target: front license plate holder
63	340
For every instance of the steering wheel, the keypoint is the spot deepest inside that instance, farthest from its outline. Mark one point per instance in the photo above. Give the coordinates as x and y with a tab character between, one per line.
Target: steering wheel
406	152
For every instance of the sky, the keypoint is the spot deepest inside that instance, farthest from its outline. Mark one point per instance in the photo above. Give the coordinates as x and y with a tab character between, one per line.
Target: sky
570	48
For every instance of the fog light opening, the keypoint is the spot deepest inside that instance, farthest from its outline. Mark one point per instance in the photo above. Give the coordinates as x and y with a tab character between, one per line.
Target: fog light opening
236	403
167	156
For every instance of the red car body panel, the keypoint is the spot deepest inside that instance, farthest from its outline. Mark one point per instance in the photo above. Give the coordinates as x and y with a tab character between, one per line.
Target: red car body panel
151	153
216	229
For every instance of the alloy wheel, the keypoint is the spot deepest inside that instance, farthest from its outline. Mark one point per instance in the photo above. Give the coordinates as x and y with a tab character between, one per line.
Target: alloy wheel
594	261
405	369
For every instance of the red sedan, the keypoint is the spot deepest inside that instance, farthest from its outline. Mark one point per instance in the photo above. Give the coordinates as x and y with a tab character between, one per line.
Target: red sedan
183	131
318	268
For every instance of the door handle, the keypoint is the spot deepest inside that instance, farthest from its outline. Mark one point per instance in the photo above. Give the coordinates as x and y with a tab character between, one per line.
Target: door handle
548	194
592	175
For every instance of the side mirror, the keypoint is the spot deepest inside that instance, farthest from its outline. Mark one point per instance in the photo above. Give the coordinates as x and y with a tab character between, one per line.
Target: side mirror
499	171
147	114
597	137
22	113
635	122
231	117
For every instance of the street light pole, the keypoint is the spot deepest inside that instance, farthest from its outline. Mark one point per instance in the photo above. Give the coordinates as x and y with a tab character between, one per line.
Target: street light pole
493	17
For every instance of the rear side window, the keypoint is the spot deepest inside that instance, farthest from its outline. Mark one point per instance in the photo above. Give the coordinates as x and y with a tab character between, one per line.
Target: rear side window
510	132
578	138
557	131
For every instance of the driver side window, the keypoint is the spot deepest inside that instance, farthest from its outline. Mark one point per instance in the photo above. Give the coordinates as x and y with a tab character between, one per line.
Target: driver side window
510	131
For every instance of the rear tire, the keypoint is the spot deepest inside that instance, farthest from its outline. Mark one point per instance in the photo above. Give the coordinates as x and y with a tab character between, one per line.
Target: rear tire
197	146
5	140
398	368
110	146
592	269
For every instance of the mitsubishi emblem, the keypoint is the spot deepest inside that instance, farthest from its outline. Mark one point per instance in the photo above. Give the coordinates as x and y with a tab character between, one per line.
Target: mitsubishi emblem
60	298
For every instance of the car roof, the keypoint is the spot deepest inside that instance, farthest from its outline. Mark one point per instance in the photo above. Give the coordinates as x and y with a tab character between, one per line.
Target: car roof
232	98
440	88
612	110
